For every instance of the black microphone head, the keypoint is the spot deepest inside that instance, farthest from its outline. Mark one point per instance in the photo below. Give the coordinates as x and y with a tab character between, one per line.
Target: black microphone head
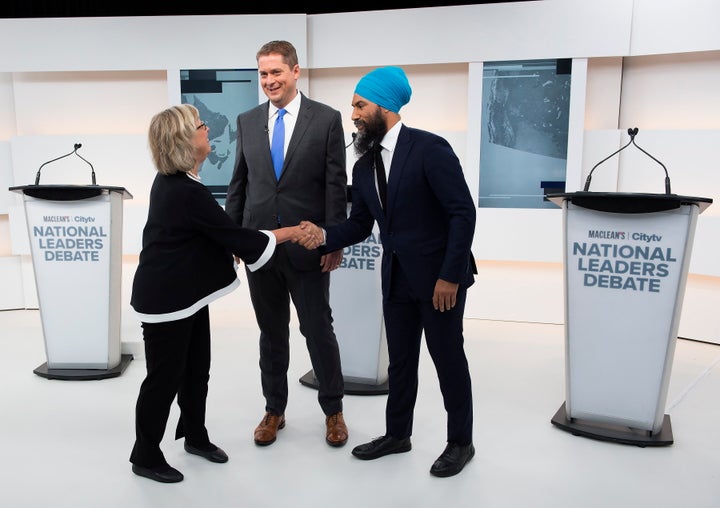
77	145
354	135
633	131
266	129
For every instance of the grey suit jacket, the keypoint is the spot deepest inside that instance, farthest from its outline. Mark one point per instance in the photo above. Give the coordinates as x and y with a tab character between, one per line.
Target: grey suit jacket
313	183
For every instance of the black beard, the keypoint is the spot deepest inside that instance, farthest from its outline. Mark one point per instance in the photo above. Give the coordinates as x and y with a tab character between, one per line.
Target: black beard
371	134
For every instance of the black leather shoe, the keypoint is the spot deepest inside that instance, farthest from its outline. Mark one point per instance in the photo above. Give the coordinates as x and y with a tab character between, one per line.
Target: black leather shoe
213	454
381	446
452	460
162	474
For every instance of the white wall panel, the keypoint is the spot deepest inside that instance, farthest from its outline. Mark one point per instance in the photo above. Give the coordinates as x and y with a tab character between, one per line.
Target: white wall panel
7	106
678	91
6	177
604	84
471	33
675	26
83	102
139	43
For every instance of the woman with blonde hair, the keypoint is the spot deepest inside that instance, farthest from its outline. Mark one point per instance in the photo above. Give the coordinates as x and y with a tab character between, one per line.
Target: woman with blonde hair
186	262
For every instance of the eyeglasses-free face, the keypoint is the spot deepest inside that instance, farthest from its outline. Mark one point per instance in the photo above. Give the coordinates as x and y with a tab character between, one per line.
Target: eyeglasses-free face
202	125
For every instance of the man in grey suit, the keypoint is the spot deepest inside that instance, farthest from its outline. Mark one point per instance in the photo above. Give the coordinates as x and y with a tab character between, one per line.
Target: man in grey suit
311	185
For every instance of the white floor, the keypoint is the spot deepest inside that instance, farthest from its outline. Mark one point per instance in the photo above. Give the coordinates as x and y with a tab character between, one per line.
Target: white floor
66	443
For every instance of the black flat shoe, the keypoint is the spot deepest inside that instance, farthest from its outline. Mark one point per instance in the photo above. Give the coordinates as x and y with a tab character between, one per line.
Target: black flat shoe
381	446
162	474
216	454
452	460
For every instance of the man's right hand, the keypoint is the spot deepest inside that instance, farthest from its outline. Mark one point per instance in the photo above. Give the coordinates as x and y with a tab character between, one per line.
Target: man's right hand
313	237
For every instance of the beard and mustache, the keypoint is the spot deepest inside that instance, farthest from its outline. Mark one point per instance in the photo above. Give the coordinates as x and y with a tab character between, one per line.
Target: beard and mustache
372	132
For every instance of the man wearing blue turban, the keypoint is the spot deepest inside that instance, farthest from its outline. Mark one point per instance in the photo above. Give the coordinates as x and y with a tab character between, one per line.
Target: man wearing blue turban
388	87
426	217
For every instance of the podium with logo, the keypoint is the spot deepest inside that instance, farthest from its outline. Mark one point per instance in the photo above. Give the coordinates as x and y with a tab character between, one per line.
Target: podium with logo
626	259
75	233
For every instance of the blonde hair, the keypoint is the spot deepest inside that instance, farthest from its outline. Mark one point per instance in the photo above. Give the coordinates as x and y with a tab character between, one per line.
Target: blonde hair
170	138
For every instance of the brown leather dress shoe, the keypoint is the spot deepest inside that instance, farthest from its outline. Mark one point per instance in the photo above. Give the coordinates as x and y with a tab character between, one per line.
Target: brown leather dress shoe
337	432
266	431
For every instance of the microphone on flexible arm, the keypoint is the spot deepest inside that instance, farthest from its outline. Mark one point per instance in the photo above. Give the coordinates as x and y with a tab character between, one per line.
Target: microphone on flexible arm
632	132
354	135
667	177
92	169
75	149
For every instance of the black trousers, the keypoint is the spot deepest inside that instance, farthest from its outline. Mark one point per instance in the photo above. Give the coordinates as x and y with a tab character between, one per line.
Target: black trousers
406	318
270	292
177	356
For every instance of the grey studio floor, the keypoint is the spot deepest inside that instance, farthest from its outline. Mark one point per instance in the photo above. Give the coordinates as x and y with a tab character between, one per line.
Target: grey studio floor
66	443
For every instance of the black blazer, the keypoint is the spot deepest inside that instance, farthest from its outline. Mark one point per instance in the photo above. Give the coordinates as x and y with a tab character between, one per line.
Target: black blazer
187	247
430	220
313	183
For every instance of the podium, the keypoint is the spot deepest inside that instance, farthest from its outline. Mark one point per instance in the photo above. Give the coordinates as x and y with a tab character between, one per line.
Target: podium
75	235
626	258
356	302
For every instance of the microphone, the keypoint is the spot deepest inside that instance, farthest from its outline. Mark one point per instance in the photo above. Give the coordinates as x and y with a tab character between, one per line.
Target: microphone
354	135
632	132
75	149
267	131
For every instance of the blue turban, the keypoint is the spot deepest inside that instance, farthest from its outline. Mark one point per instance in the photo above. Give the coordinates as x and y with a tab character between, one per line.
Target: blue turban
387	87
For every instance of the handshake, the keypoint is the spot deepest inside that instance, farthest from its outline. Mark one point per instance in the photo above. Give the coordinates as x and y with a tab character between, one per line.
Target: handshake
306	234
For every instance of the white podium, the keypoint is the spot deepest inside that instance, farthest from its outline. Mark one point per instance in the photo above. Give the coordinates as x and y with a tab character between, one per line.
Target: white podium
75	234
626	258
356	302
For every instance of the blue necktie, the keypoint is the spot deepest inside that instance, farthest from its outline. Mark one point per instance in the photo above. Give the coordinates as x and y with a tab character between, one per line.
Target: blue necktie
277	147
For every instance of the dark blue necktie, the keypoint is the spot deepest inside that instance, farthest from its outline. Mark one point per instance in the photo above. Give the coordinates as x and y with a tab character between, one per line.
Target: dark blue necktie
277	147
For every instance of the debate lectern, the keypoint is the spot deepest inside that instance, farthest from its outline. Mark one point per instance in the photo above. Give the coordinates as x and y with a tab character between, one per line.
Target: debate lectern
626	258
75	234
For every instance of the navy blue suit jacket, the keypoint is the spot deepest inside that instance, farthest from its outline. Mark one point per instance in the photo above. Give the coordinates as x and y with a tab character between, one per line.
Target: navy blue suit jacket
430	221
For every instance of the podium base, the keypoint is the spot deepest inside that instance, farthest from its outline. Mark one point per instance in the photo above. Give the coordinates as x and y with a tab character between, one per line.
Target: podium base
84	374
350	388
615	433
